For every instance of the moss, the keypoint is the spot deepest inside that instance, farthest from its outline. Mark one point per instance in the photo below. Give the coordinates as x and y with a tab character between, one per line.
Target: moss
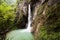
51	29
28	1
40	9
44	35
53	19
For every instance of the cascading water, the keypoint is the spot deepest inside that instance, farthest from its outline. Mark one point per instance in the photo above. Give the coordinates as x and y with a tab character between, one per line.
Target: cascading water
22	34
28	29
29	19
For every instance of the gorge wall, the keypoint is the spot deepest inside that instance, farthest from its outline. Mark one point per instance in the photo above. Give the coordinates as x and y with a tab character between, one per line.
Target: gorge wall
45	16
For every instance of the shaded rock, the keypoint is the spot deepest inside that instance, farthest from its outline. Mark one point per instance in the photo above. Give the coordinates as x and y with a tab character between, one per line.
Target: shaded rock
21	17
43	14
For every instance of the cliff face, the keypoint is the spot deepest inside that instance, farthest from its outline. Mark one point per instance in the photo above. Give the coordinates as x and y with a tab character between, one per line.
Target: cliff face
21	17
45	17
46	20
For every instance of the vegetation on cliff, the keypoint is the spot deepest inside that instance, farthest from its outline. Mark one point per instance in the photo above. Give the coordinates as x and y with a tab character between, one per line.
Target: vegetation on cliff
45	18
7	16
50	30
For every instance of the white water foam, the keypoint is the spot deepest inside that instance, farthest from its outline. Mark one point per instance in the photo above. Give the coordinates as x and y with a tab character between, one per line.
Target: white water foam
29	19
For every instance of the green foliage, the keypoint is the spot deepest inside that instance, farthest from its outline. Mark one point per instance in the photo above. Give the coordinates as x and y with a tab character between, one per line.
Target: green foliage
44	35
28	1
40	10
53	21
7	15
51	29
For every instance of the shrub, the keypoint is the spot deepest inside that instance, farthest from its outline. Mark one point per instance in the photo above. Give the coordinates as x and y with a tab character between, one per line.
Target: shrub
7	15
51	29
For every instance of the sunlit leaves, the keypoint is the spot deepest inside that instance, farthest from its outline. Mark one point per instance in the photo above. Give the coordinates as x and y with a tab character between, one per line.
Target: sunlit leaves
7	15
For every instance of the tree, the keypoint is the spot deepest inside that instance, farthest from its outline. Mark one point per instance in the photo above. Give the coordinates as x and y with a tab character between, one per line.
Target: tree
7	16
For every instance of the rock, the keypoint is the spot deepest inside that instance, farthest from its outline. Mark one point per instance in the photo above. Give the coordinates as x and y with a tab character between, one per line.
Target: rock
44	12
21	14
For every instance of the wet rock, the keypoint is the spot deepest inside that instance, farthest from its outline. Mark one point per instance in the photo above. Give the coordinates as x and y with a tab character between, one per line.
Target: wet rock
21	17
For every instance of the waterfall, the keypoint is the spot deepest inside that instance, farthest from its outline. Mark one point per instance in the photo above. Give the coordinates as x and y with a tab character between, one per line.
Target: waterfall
29	19
22	34
28	29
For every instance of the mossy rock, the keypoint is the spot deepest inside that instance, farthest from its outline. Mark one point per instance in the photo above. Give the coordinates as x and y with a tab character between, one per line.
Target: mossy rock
44	35
51	27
